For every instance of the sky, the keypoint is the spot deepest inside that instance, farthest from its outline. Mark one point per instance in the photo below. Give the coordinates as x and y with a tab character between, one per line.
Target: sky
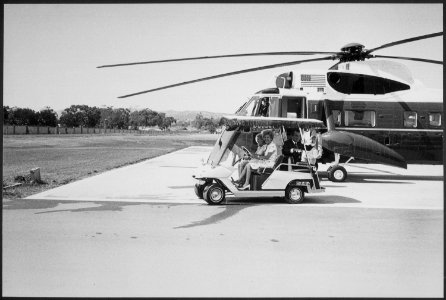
51	51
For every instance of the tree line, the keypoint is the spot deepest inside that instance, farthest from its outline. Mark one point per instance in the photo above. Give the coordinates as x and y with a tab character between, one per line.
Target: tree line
205	123
94	117
87	116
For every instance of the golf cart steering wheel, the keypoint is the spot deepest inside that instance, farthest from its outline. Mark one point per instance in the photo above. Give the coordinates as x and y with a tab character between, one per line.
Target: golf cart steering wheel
246	150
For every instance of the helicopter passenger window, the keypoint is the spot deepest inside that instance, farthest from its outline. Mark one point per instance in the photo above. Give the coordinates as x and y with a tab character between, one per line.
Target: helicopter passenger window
336	117
410	119
294	108
435	119
361	118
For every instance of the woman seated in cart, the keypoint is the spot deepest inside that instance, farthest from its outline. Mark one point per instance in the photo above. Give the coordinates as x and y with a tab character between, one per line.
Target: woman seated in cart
261	161
261	148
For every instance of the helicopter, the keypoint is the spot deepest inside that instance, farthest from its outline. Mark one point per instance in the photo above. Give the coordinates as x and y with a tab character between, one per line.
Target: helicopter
369	103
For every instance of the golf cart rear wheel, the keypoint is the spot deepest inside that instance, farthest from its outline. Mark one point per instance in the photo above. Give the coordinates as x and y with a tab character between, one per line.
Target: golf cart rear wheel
214	194
337	174
294	194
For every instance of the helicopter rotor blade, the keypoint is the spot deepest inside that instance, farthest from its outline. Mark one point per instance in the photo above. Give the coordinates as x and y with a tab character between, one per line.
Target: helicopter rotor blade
412	58
218	56
334	67
421	37
232	73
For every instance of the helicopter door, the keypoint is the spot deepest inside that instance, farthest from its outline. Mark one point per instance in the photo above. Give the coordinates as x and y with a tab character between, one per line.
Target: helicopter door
293	107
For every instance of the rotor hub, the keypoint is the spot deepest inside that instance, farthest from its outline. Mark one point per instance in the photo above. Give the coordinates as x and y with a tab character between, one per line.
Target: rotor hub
352	52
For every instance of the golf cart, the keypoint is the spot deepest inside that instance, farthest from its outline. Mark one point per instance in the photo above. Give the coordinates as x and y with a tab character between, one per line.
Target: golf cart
284	179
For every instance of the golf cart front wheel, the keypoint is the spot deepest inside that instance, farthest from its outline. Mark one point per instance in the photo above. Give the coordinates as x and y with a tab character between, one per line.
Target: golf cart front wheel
294	194
214	194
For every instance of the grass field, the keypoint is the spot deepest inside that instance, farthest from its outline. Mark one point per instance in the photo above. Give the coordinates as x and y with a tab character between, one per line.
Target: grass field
63	159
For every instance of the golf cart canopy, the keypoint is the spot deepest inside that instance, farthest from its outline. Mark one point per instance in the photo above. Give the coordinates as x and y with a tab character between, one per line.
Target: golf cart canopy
232	122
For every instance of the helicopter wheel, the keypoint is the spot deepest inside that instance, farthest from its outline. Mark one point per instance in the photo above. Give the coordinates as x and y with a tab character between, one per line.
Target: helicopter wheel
337	174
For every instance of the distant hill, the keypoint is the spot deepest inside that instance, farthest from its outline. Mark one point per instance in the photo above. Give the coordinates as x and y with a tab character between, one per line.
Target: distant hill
189	115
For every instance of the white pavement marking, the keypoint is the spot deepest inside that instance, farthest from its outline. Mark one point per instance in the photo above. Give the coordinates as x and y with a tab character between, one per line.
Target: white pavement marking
168	179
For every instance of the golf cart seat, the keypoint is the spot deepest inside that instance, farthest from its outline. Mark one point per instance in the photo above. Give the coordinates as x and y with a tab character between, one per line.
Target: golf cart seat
279	160
302	167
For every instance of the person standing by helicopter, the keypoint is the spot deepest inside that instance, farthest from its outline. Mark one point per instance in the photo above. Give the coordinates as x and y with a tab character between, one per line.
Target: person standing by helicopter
312	142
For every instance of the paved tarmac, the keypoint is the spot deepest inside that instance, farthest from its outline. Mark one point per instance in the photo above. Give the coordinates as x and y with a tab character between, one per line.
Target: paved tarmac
168	179
139	231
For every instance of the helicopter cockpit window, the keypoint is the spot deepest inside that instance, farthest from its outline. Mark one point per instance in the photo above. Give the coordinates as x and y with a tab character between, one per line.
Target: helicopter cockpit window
361	118
410	119
249	108
435	119
257	106
264	107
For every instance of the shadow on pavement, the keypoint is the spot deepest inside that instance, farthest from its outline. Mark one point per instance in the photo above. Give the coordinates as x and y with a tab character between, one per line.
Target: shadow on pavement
329	199
32	204
381	178
235	205
47	204
363	178
229	211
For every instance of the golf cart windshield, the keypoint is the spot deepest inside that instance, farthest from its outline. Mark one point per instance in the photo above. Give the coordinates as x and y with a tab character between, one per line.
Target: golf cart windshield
228	148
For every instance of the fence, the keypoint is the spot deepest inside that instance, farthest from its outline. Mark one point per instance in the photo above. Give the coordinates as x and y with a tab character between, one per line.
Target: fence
12	129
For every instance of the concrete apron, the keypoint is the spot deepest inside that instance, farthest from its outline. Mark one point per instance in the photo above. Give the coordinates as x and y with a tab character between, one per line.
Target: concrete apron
168	179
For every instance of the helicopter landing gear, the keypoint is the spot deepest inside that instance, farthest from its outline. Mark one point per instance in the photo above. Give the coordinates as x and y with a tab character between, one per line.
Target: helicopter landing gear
337	173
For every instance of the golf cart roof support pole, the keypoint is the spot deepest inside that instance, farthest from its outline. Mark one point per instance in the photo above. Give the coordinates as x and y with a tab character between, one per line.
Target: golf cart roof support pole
305	148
